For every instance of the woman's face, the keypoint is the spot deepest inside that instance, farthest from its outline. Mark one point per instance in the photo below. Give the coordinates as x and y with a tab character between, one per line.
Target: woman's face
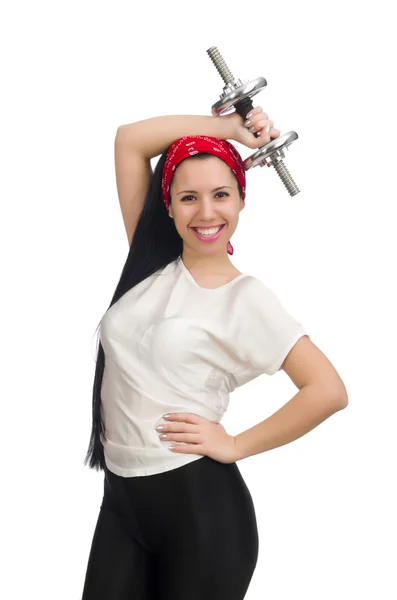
195	202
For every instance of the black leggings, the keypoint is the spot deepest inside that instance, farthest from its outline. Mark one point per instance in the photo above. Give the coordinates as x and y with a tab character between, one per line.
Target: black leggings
185	534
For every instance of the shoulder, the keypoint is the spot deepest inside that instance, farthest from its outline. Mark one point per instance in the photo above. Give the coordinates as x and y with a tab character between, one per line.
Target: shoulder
259	303
255	291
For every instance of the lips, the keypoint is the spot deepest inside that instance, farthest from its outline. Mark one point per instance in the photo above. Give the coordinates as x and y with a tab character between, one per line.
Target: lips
208	238
210	227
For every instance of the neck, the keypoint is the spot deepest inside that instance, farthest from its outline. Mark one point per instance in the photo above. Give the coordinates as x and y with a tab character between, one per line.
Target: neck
206	262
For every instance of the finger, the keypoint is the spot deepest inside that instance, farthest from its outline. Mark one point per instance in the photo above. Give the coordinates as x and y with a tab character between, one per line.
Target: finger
268	130
255	111
176	416
185	418
193	438
259	124
186	449
273	133
254	119
179	448
179	428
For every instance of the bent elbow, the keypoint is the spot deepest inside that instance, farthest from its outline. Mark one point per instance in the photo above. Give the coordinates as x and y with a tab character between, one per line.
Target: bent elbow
341	400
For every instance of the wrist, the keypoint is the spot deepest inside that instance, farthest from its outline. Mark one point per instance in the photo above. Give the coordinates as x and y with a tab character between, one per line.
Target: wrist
227	127
237	450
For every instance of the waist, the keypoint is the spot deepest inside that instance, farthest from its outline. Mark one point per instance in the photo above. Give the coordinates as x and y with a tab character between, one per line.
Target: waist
130	461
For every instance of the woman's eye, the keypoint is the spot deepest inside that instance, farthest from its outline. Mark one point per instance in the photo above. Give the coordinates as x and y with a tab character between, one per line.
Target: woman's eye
224	193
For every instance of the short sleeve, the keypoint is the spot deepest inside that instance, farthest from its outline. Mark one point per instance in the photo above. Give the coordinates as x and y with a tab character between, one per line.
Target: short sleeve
265	334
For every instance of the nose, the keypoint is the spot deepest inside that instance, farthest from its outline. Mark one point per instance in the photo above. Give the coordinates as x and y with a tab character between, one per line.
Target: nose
208	211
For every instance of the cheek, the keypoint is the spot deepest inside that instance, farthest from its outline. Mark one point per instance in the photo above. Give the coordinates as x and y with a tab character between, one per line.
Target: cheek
232	210
181	216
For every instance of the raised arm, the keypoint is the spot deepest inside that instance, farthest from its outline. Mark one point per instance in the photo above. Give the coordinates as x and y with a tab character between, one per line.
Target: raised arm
151	137
136	143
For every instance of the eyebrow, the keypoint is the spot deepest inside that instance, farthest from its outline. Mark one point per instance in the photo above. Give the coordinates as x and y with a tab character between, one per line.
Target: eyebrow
194	191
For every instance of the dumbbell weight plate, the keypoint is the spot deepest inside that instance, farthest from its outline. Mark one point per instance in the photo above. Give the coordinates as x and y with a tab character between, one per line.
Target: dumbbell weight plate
283	141
248	89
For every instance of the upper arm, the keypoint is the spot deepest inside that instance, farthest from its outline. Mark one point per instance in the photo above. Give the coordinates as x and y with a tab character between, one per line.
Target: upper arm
305	364
133	177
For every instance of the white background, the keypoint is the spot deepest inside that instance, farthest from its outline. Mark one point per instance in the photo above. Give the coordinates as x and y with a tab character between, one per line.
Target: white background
72	72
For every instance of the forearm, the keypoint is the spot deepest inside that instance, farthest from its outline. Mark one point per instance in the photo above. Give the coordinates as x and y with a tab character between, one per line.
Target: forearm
152	136
307	409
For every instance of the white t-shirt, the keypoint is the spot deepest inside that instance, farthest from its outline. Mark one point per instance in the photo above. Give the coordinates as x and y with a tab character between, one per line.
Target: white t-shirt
172	346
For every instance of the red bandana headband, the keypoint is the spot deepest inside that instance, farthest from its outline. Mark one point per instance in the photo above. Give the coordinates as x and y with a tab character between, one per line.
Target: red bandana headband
195	144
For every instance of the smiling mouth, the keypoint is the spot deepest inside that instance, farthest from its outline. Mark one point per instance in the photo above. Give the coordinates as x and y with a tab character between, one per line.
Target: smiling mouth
210	227
211	233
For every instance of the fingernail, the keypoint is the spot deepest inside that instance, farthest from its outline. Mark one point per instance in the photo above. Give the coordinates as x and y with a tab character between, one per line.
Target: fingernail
247	123
166	415
249	115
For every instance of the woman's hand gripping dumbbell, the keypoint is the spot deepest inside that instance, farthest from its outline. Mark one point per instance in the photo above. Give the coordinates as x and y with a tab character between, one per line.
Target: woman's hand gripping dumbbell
244	131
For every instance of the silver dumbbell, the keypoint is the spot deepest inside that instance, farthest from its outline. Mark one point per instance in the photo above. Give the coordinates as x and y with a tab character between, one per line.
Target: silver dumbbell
237	95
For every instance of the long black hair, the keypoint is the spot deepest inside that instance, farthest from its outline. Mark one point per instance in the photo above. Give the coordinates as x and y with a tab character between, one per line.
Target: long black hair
156	243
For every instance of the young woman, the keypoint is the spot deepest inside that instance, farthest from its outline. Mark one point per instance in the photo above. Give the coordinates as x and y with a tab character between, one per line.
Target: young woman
183	330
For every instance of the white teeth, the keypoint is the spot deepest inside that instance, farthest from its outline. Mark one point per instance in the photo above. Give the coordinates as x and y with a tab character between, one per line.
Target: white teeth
207	231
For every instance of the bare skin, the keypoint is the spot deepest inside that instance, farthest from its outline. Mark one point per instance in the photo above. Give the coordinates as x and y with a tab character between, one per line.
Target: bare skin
208	263
214	280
